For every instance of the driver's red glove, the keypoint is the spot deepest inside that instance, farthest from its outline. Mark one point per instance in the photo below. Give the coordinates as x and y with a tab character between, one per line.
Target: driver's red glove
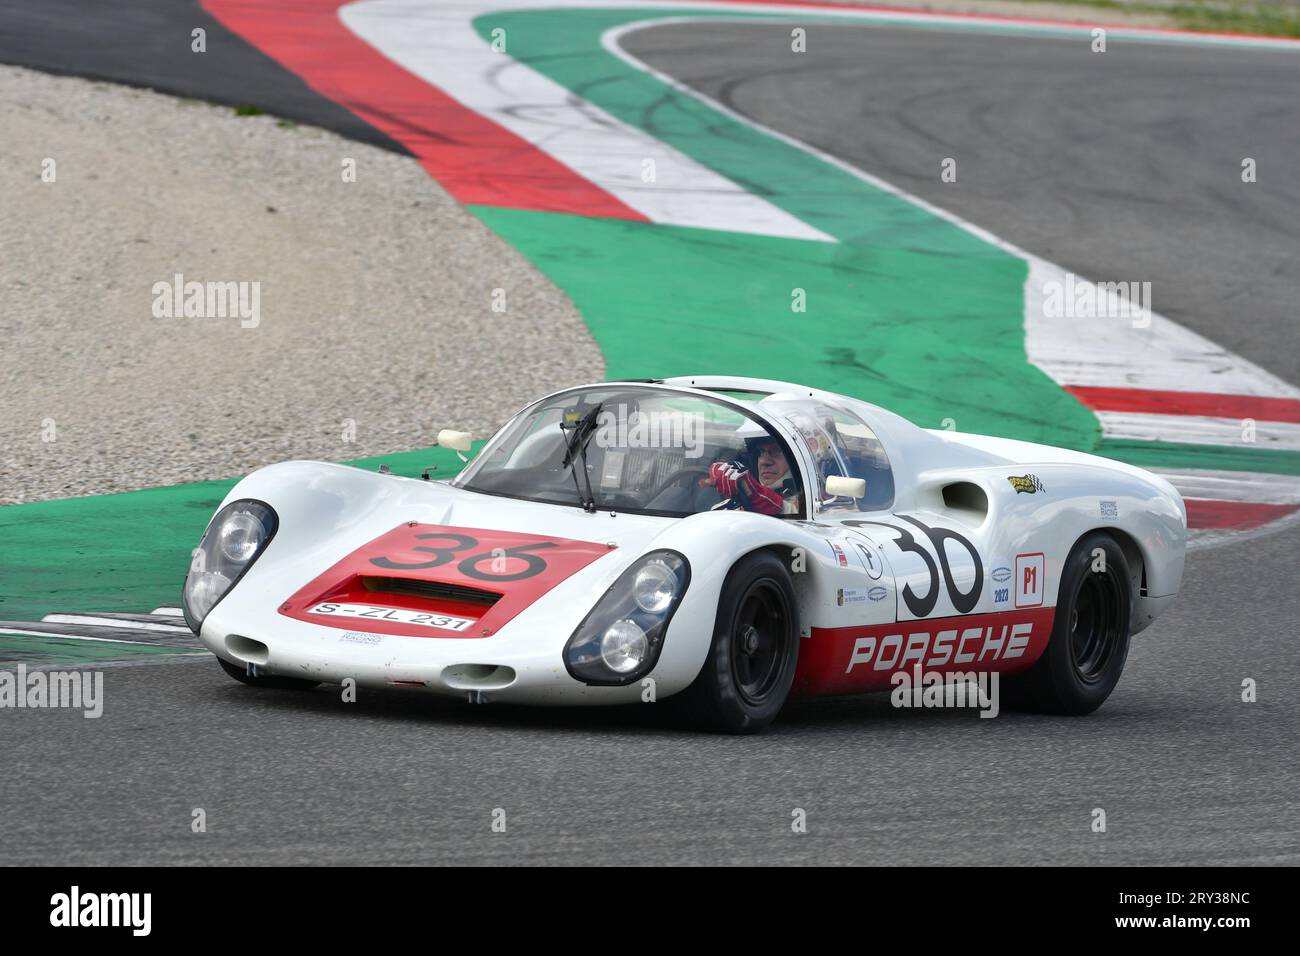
730	478
724	476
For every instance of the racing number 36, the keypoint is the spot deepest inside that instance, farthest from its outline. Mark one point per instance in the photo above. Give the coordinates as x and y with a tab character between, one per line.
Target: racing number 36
471	566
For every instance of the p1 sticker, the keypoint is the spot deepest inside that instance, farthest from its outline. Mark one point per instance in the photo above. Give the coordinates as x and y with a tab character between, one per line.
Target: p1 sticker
1029	581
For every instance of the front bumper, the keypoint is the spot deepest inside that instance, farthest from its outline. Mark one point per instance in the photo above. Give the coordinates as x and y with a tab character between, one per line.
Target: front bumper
508	667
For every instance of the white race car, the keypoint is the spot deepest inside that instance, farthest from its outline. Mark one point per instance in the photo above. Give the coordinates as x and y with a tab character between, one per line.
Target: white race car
733	540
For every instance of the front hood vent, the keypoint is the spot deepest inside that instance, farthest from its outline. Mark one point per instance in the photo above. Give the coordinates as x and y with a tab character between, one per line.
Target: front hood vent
433	590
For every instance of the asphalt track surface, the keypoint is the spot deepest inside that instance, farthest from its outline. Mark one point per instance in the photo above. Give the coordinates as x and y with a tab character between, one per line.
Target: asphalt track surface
148	43
1185	771
1118	166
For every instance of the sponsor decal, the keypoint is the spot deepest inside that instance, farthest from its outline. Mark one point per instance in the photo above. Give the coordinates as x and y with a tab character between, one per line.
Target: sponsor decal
870	562
360	637
839	554
1110	510
1029	580
395	615
1025	484
1001	578
845	596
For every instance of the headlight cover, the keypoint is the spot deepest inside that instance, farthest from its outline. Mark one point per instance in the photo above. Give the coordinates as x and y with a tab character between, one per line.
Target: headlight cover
235	538
620	640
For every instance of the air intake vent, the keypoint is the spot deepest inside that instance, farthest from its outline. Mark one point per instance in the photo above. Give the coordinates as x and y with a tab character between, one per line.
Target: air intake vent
430	589
966	497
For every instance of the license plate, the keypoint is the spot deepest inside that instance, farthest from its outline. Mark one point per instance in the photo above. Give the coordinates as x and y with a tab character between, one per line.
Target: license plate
398	615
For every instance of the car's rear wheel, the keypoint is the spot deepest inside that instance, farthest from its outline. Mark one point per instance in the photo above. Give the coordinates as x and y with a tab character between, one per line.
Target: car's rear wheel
240	672
750	666
1090	634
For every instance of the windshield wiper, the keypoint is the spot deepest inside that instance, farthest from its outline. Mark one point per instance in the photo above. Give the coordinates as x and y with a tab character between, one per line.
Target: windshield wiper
578	434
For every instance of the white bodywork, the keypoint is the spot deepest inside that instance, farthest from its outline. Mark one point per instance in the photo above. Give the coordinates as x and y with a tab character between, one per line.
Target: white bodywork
328	511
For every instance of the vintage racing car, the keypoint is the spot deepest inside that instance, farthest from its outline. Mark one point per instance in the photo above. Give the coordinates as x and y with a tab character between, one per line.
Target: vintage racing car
733	540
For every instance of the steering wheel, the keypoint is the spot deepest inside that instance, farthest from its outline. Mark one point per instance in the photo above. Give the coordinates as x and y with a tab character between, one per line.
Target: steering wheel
678	477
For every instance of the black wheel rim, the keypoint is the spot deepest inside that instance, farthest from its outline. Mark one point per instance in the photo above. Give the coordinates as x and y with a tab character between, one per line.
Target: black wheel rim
1096	628
760	642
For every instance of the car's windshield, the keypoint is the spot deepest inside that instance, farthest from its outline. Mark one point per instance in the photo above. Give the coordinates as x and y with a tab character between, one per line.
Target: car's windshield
639	449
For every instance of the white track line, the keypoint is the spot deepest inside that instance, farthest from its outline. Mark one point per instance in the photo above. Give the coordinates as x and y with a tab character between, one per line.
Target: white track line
1196	430
77	637
440	45
90	620
1122	353
1233	485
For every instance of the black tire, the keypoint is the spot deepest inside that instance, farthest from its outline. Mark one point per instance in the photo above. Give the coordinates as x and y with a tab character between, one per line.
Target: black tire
1090	635
240	673
747	674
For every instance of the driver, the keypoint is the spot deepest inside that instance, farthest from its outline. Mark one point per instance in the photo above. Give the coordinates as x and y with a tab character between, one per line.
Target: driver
771	491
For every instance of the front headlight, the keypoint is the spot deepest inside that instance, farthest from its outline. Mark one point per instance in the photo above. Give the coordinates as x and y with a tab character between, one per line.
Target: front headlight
621	638
655	586
623	647
234	539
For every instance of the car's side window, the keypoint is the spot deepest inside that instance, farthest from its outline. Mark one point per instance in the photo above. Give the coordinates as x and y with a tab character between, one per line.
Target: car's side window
859	454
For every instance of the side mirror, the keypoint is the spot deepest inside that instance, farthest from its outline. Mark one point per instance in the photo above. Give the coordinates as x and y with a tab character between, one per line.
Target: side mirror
456	441
842	487
459	442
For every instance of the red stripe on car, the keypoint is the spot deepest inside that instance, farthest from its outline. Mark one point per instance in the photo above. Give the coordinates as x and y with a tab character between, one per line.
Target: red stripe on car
850	660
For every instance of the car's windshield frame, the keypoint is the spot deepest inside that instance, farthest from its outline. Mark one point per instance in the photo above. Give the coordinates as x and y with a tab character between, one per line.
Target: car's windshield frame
794	459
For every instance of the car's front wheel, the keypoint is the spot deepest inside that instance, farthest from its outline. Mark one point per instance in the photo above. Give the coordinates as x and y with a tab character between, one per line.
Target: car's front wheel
241	673
750	666
1090	634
